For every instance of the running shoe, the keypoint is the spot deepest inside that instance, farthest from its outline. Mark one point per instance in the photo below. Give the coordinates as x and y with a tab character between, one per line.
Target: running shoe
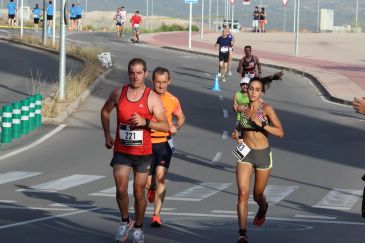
151	194
219	75
223	79
242	239
229	73
138	236
156	221
123	231
260	216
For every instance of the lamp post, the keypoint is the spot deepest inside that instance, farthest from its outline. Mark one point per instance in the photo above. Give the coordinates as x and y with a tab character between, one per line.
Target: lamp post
62	54
318	16
356	13
297	30
202	22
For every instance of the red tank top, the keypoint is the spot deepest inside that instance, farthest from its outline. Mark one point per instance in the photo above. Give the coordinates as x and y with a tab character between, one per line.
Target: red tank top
249	67
131	139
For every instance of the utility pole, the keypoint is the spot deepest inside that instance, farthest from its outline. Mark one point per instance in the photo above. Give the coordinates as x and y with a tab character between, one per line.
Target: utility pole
21	19
357	14
44	32
297	30
62	54
217	18
202	22
318	16
210	14
54	24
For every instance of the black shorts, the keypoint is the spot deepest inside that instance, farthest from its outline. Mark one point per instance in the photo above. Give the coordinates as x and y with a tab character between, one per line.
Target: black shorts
139	163
223	57
11	16
49	17
162	154
259	158
78	16
73	18
36	21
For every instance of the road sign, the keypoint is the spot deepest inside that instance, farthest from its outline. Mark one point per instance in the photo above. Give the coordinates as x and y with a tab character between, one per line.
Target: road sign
285	2
191	1
246	2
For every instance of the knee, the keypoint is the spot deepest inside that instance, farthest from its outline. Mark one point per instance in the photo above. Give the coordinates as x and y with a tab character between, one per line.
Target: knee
139	193
257	196
243	195
121	192
160	180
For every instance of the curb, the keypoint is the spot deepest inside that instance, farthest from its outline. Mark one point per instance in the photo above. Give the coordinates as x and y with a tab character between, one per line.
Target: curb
310	76
77	102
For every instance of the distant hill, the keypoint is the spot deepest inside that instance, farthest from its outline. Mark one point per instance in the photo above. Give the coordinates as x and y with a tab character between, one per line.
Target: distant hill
344	11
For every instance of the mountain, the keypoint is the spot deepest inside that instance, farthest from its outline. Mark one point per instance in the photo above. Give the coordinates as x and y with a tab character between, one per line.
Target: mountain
344	11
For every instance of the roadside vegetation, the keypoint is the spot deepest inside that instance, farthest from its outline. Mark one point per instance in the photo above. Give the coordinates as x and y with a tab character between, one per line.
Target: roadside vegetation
75	84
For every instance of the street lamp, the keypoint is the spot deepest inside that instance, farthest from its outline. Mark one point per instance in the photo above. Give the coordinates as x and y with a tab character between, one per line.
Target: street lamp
202	24
297	30
357	13
317	16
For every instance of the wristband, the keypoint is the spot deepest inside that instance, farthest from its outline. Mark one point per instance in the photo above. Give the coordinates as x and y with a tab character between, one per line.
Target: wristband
264	123
147	123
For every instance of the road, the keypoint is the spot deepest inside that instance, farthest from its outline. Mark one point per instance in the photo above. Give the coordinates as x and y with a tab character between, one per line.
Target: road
62	190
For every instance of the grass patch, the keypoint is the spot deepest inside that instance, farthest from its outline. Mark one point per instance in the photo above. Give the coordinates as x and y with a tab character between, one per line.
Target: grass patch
75	84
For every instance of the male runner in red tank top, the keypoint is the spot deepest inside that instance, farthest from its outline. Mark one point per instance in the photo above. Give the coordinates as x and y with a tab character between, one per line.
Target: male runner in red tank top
136	104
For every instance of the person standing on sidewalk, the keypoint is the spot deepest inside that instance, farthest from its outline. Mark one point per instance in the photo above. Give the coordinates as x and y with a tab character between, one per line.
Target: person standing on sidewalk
136	104
258	120
162	143
263	20
11	13
359	105
249	66
136	28
256	17
224	43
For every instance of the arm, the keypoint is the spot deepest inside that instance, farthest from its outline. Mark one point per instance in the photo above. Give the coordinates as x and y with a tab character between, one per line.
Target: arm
240	64
235	104
275	128
109	105
180	118
258	65
359	105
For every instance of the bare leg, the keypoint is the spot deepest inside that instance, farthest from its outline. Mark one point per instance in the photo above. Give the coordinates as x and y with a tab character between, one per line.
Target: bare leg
121	174
140	202
161	173
243	177
261	179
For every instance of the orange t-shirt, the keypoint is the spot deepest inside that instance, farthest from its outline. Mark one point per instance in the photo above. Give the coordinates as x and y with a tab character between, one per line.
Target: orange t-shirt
172	107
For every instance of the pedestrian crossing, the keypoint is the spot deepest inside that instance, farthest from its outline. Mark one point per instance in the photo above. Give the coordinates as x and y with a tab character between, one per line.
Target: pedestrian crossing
334	199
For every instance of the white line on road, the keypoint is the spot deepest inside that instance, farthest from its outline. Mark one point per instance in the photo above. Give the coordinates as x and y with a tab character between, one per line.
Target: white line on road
47	218
72	205
35	208
313	216
227	212
7	201
16	175
37	142
64	183
217	157
221	97
225	113
225	135
275	193
339	199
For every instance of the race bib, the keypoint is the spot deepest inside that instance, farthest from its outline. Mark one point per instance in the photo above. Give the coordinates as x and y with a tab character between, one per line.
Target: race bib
224	49
171	144
136	25
130	135
241	151
36	16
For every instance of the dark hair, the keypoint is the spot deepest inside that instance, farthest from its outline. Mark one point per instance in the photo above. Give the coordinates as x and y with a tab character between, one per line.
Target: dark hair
264	82
248	47
136	61
160	71
50	2
137	11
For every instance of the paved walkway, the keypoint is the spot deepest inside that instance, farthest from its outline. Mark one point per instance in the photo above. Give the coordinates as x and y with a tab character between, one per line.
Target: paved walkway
337	61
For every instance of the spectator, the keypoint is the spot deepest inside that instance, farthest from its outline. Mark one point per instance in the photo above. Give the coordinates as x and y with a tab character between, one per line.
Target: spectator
256	17
263	20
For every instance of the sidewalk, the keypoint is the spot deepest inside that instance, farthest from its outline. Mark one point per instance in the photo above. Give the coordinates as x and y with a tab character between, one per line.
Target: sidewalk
335	62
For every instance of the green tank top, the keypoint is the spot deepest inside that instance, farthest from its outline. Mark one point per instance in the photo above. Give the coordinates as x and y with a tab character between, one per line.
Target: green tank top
242	99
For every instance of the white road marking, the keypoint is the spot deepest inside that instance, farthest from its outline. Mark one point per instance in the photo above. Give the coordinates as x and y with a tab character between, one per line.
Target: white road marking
275	193
313	216
339	199
16	175
221	97
72	205
35	143
64	183
225	113
35	208
46	218
110	192
228	212
7	201
225	135
199	192
217	157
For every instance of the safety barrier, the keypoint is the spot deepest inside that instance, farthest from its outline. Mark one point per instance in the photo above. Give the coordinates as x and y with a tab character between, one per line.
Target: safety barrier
20	118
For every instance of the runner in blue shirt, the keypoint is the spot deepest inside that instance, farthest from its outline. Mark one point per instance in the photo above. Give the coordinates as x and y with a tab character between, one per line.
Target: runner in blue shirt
49	13
73	17
79	12
11	13
37	12
224	43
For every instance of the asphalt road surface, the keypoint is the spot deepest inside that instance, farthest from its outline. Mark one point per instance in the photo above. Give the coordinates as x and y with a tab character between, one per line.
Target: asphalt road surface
63	191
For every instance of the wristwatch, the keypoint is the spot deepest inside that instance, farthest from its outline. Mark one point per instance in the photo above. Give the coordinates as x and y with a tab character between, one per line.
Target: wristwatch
147	122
